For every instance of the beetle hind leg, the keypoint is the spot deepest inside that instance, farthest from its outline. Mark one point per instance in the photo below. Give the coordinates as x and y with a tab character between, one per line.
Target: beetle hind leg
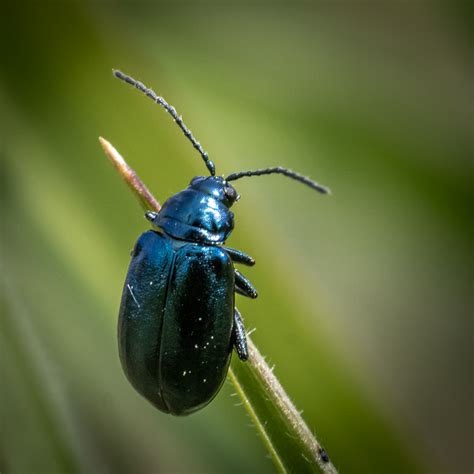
239	336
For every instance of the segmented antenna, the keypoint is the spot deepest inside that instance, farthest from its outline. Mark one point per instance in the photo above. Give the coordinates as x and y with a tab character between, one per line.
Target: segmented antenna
284	171
172	111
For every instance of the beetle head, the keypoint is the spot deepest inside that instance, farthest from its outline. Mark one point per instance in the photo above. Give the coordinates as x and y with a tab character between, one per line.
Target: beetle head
217	187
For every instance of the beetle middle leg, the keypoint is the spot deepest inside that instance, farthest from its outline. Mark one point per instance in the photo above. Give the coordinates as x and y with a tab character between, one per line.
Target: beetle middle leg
239	336
243	285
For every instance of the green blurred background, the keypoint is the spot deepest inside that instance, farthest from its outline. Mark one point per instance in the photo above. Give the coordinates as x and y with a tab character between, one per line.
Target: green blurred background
364	301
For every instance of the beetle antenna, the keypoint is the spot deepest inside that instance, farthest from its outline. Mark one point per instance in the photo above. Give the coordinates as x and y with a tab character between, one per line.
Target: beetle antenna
284	171
172	111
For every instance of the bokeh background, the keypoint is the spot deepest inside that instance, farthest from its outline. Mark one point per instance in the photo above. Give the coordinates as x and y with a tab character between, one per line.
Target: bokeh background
364	303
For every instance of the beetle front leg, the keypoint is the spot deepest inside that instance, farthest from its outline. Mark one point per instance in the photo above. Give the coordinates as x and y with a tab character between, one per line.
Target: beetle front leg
243	285
239	257
239	337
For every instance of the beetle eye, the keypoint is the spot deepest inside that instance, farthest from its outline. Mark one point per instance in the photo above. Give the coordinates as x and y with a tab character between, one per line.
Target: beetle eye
230	193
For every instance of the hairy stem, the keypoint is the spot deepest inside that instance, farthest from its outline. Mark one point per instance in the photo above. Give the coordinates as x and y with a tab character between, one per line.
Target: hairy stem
254	373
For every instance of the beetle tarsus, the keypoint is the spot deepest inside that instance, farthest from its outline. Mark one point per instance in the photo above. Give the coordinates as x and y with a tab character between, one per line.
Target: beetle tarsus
239	336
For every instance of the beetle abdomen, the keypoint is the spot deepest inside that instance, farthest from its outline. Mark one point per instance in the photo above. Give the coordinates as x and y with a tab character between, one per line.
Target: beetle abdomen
196	335
141	314
175	322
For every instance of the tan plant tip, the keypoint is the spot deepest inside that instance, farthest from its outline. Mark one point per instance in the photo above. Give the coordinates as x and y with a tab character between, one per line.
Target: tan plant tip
111	152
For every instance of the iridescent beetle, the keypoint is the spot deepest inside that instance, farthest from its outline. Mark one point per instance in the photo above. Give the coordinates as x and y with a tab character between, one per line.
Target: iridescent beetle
178	322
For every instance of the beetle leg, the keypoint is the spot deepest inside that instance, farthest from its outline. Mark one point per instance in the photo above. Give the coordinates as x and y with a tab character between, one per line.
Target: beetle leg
239	337
243	286
151	216
239	291
239	257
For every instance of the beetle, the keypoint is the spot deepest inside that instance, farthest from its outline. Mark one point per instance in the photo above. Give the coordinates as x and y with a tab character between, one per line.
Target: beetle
178	322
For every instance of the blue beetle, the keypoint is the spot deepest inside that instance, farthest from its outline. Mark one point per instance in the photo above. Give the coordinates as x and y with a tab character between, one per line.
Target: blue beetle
178	322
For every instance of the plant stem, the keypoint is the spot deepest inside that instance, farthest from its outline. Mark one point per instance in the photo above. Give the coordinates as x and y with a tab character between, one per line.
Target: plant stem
256	367
147	200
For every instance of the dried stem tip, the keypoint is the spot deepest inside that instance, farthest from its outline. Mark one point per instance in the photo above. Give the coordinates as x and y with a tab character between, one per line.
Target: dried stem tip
147	199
